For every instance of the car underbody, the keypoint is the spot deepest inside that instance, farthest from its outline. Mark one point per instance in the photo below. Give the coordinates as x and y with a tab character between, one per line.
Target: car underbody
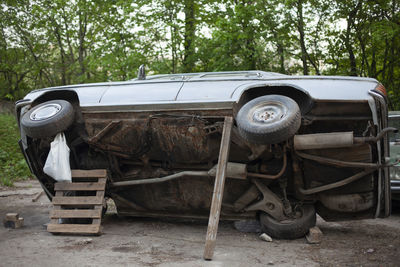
162	161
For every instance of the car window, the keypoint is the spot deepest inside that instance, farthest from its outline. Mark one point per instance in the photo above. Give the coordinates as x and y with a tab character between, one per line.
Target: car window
394	121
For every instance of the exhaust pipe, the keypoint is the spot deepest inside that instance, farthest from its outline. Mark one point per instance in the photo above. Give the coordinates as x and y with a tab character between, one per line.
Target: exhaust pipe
323	140
335	140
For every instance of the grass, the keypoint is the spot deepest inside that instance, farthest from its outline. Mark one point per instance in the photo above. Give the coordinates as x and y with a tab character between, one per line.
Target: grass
12	163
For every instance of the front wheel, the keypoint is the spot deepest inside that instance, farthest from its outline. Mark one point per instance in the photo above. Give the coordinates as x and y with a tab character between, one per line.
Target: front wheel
304	218
268	119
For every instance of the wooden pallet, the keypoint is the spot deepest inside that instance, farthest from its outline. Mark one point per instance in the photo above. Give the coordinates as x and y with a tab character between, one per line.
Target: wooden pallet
85	202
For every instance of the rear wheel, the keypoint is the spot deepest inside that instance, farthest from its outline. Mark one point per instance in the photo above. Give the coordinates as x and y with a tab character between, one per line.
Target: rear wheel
304	218
48	119
269	119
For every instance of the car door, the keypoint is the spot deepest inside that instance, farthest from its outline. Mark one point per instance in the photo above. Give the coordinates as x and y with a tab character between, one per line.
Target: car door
140	92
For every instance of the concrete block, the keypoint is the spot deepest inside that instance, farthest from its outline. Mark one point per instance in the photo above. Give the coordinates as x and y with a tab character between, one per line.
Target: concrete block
12	220
314	235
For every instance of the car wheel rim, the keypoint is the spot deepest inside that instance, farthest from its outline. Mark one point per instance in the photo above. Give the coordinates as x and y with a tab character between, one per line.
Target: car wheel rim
268	113
45	112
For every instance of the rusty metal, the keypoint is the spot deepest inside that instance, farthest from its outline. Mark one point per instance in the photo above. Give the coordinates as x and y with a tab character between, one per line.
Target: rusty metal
335	139
336	184
160	179
257	150
233	170
339	163
104	131
323	140
348	202
159	214
298	180
311	118
244	200
237	140
162	139
374	139
159	135
268	176
270	202
172	166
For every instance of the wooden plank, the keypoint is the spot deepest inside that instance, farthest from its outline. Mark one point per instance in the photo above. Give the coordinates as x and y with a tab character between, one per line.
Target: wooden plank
89	186
77	200
88	173
73	228
99	194
218	192
86	213
56	207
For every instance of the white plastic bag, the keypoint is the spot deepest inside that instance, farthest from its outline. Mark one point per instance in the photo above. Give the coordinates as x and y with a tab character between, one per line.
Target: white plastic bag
57	162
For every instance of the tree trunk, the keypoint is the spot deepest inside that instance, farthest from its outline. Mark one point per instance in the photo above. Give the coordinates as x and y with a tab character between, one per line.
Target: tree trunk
300	28
281	58
190	28
349	47
62	53
82	35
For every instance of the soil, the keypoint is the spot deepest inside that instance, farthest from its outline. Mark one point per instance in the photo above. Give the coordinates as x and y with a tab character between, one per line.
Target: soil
152	242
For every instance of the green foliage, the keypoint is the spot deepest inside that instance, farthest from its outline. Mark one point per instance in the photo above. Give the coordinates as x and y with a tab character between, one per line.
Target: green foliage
12	163
49	43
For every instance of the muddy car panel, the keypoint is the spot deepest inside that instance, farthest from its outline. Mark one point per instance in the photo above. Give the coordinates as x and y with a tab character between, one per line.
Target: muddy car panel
170	124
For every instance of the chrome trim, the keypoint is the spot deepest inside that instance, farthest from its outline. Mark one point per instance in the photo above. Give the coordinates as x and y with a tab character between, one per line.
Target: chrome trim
21	103
159	107
383	124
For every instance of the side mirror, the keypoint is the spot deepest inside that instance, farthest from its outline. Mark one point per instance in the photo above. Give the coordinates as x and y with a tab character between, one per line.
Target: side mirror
141	73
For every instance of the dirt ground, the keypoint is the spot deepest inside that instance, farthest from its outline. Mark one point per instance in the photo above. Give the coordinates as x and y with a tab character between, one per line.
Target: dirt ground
152	242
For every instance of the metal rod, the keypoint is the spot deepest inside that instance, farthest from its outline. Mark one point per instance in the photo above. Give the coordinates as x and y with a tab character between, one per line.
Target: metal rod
268	176
374	139
105	130
382	101
160	179
339	163
336	184
215	210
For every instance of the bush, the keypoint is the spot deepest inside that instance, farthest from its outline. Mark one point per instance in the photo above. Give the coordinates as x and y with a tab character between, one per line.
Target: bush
12	163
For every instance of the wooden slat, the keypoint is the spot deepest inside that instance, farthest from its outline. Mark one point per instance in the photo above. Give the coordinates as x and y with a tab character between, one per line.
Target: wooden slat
89	186
56	207
77	200
88	173
74	228
215	210
96	214
99	194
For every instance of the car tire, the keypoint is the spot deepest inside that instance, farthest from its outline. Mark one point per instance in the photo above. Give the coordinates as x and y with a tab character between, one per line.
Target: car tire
268	119
104	208
291	228
47	119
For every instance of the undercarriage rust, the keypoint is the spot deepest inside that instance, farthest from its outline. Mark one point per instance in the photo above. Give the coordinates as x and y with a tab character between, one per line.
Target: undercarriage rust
161	163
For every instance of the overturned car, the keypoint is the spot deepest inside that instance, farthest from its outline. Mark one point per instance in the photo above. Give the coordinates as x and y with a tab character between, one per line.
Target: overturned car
299	145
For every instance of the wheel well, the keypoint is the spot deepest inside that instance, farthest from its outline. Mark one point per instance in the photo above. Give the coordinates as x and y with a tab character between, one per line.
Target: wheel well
67	95
302	98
